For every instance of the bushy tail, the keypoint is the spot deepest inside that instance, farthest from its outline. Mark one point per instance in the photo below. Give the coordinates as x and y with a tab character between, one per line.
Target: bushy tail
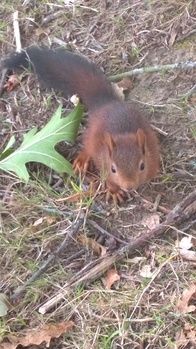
67	72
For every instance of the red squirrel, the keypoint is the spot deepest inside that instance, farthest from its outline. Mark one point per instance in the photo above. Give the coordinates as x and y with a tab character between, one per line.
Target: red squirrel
118	140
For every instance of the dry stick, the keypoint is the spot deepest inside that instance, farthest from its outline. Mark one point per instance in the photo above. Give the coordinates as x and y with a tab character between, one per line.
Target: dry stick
52	258
181	212
105	232
4	73
17	32
154	69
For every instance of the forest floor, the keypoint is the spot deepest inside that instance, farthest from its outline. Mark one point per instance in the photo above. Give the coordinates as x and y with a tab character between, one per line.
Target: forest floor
147	306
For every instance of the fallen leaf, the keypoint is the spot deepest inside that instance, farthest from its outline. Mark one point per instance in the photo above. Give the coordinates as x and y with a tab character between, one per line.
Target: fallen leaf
12	82
110	278
93	245
183	303
37	337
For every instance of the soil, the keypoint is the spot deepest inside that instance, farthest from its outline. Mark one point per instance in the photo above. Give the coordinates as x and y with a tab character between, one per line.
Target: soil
119	36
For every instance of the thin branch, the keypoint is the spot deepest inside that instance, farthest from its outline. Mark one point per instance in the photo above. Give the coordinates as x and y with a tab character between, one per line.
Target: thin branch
105	232
17	32
154	69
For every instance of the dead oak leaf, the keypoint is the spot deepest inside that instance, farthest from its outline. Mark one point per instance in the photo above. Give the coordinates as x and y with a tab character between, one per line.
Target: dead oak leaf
110	278
93	245
183	303
48	332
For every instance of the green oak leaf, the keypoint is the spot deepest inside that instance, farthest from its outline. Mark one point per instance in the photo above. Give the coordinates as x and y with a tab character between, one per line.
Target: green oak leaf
40	146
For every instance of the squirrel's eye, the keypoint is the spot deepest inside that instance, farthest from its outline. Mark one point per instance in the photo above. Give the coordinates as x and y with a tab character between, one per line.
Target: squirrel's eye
113	169
142	166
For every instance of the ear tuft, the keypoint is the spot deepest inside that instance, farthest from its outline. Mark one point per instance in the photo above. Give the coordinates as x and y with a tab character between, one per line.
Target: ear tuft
141	140
109	141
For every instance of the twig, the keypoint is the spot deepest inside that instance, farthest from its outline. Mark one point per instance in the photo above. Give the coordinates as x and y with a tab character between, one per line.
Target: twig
154	69
4	73
52	258
60	42
161	132
52	16
95	269
105	232
17	32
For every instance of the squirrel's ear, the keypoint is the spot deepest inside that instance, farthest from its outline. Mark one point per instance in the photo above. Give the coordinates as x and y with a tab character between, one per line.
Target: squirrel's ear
141	139
108	140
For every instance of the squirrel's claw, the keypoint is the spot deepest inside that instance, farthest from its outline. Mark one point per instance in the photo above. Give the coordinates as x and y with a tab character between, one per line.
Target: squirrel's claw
117	194
81	163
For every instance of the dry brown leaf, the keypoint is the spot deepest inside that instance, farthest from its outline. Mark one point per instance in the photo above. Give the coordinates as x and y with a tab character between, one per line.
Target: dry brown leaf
37	337
110	278
12	82
93	245
183	303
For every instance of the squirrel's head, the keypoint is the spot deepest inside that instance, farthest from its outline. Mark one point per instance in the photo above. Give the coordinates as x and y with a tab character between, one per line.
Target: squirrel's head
131	159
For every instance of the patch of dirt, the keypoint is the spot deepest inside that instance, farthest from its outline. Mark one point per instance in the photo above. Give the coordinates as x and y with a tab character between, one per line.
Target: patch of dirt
118	36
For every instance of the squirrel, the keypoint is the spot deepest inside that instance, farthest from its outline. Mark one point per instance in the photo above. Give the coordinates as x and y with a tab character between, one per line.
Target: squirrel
118	140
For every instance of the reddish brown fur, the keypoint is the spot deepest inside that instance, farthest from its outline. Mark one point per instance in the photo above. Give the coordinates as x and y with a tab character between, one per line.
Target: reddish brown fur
105	146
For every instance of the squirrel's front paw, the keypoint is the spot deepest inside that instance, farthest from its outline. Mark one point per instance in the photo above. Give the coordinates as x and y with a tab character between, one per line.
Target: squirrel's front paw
81	163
